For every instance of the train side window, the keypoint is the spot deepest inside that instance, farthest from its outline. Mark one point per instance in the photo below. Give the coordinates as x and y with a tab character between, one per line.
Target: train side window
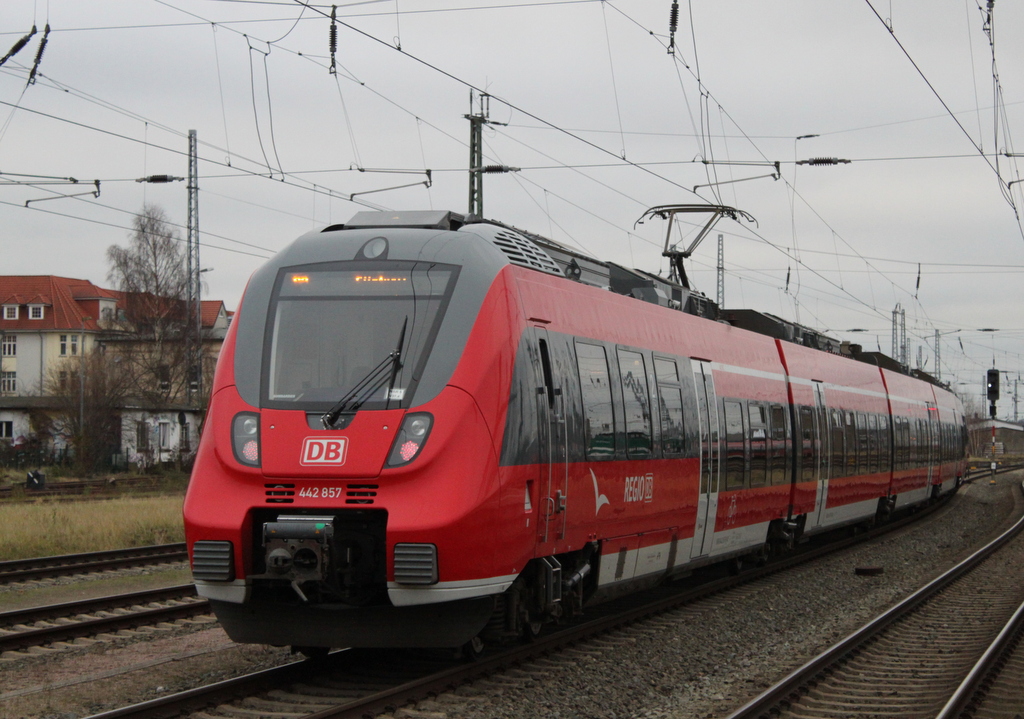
636	398
851	445
807	448
598	416
836	425
873	449
734	445
778	451
670	407
884	442
757	415
897	435
863	444
906	443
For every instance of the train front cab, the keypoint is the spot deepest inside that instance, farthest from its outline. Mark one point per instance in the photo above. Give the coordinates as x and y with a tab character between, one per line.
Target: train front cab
335	537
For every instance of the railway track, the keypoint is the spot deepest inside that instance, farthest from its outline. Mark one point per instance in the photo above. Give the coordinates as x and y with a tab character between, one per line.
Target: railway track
19	570
909	661
38	626
357	683
981	472
992	688
78	489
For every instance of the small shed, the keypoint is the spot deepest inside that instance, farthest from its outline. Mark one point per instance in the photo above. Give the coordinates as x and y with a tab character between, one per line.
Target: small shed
1009	438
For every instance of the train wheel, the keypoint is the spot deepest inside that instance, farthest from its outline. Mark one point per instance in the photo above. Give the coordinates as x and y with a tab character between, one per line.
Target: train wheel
531	629
472	650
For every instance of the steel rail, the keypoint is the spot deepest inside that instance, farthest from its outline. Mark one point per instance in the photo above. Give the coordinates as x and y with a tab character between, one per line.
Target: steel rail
34	637
217	693
971	475
792	686
417	689
972	690
18	570
85	606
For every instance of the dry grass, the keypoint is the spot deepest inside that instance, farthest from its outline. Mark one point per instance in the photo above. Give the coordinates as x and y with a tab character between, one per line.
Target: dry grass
42	529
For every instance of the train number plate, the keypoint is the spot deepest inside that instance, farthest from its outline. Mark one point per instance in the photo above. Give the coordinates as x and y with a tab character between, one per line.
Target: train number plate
322	492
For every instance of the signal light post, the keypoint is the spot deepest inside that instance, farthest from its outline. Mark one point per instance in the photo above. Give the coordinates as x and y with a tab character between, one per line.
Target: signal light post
992	383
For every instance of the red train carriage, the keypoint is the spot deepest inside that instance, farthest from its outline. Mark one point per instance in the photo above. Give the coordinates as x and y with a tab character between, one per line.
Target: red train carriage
424	430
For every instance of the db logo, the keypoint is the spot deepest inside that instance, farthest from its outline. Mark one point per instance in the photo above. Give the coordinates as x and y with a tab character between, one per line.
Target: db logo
316	450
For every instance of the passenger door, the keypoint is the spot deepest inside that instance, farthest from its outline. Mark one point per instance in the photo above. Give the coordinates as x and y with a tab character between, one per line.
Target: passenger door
553	445
821	442
707	500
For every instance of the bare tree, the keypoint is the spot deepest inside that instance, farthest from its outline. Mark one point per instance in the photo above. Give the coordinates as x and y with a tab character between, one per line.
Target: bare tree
151	275
89	393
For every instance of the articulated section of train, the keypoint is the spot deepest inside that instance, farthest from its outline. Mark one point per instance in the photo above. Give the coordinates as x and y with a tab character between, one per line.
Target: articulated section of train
425	430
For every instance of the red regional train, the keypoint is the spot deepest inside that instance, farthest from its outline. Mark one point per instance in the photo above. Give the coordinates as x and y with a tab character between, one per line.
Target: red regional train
426	430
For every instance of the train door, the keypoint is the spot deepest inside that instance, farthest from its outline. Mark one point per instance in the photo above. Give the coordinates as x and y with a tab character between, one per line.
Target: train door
551	413
821	444
707	500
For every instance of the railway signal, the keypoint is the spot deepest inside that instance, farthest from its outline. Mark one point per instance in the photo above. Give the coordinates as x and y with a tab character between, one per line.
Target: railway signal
993	385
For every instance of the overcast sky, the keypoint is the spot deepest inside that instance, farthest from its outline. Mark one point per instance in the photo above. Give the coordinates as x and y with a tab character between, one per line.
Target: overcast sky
602	120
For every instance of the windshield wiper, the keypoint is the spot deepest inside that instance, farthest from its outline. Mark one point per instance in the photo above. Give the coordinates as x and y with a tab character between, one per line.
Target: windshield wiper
384	373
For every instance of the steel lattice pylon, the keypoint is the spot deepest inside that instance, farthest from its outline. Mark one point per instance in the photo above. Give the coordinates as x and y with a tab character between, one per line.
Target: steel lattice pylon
193	303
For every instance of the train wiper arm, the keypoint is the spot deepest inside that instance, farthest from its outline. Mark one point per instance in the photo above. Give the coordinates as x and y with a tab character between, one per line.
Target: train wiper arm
383	374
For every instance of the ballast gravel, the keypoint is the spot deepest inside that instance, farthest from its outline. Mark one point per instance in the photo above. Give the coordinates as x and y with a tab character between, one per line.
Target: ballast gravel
708	660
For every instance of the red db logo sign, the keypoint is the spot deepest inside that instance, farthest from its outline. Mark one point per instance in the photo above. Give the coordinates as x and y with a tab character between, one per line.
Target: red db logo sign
316	450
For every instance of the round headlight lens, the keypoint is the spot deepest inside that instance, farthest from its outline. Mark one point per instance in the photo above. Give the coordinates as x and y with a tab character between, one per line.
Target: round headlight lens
419	426
249	425
375	247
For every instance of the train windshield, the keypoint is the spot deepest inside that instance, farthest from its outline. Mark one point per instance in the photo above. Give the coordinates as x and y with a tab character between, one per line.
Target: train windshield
333	324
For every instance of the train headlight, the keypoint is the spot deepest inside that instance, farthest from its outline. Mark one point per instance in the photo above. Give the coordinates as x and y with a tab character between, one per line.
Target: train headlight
245	438
412	435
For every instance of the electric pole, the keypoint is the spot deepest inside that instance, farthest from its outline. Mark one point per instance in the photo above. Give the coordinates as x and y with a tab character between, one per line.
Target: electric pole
193	303
476	153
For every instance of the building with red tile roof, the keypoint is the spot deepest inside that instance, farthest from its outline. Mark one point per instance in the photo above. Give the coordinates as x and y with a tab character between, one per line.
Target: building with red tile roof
46	320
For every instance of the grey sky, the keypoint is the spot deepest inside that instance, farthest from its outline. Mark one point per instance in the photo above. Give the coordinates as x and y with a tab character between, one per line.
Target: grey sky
122	82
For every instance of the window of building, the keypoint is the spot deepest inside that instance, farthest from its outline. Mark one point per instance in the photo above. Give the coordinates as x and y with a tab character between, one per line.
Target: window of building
10	348
8	381
74	344
141	437
63	345
599	418
10	312
163	374
62	379
35	312
6	430
735	454
636	399
165	435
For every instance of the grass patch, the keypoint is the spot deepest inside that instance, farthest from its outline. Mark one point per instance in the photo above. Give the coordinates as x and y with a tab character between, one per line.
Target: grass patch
42	529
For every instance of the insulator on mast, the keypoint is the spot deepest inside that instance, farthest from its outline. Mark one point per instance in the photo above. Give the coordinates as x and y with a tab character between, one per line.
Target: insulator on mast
39	55
673	23
16	48
333	38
